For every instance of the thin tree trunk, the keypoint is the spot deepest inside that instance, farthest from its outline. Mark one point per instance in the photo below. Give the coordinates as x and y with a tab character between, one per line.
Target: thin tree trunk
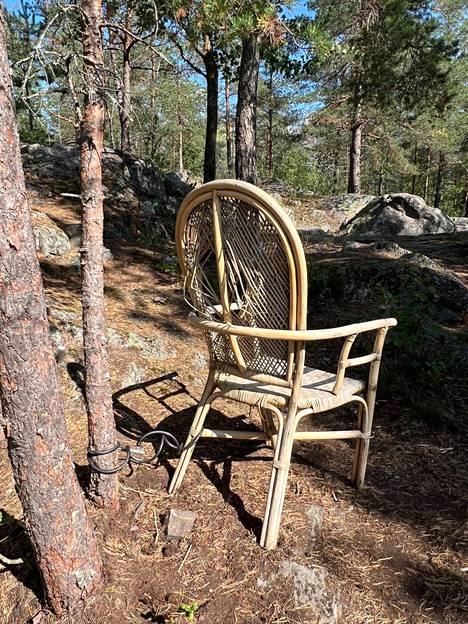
154	116
439	181
181	127
209	166
126	93
102	433
415	162
354	177
30	403
426	176
230	163
246	114
465	202
270	126
380	189
336	174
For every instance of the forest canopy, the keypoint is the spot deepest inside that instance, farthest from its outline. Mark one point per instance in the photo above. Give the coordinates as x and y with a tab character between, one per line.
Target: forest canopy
366	97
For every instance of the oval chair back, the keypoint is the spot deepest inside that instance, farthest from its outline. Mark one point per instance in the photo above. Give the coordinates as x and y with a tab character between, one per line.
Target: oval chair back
243	263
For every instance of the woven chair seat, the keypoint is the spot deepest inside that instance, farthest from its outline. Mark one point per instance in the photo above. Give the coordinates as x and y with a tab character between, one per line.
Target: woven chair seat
316	391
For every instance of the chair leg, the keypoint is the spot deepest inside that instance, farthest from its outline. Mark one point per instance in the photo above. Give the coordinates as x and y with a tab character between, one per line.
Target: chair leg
197	425
269	426
362	448
278	484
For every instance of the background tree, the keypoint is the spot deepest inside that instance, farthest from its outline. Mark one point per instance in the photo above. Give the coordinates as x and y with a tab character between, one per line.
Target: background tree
31	405
395	40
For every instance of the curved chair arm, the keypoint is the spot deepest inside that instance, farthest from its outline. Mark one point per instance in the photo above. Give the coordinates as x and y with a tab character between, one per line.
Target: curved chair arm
350	332
291	334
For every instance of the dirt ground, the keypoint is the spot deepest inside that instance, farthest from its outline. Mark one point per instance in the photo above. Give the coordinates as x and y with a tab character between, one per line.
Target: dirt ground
394	553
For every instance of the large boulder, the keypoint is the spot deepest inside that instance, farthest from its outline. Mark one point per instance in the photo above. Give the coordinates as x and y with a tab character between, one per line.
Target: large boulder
398	214
343	208
178	184
50	239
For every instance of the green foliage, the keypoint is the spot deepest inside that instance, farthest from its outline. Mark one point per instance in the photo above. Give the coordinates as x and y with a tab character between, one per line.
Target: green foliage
189	610
296	170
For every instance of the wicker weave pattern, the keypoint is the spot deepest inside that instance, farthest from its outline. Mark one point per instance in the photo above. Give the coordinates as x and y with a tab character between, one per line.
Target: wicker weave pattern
316	391
258	278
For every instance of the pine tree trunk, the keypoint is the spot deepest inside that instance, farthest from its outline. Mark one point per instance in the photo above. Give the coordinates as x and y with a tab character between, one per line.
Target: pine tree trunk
229	161
181	127
336	174
270	126
426	176
209	166
31	405
380	189
354	178
126	94
415	162
246	114
439	181
102	433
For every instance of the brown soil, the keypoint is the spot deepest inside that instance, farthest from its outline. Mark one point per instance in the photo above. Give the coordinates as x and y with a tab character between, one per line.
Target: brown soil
396	552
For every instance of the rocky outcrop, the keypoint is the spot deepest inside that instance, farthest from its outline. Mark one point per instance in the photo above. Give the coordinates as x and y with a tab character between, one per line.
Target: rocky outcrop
50	239
398	214
343	208
137	195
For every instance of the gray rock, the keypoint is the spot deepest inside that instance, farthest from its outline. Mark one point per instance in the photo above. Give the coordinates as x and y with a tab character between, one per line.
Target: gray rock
310	589
398	214
461	224
201	361
179	523
60	350
309	234
177	184
50	239
128	183
315	515
72	230
62	315
134	375
345	207
150	347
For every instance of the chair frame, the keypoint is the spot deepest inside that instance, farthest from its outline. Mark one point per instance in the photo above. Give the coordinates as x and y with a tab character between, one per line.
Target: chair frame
279	425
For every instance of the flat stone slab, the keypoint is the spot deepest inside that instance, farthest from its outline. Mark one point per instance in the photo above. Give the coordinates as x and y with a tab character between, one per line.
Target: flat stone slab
179	523
310	589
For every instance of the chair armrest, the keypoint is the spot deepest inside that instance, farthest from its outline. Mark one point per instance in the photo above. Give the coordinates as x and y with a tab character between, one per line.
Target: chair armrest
290	334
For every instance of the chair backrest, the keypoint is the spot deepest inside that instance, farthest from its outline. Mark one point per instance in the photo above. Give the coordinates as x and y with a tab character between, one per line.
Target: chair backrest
243	263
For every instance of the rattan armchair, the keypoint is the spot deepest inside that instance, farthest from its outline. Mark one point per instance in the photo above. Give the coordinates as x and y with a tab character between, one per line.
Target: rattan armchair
245	277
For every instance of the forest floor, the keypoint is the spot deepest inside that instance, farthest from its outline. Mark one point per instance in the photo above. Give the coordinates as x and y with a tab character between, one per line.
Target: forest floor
393	553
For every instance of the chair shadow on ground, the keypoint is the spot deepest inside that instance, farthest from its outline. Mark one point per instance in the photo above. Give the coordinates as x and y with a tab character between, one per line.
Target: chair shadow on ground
210	454
207	455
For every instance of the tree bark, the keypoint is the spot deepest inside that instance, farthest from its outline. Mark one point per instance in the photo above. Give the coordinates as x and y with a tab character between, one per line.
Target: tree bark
439	181
101	424
380	189
126	93
415	162
426	176
181	128
229	161
354	176
246	114
30	401
211	66
270	126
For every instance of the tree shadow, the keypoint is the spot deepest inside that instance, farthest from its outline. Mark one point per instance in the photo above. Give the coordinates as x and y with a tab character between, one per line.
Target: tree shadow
15	544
